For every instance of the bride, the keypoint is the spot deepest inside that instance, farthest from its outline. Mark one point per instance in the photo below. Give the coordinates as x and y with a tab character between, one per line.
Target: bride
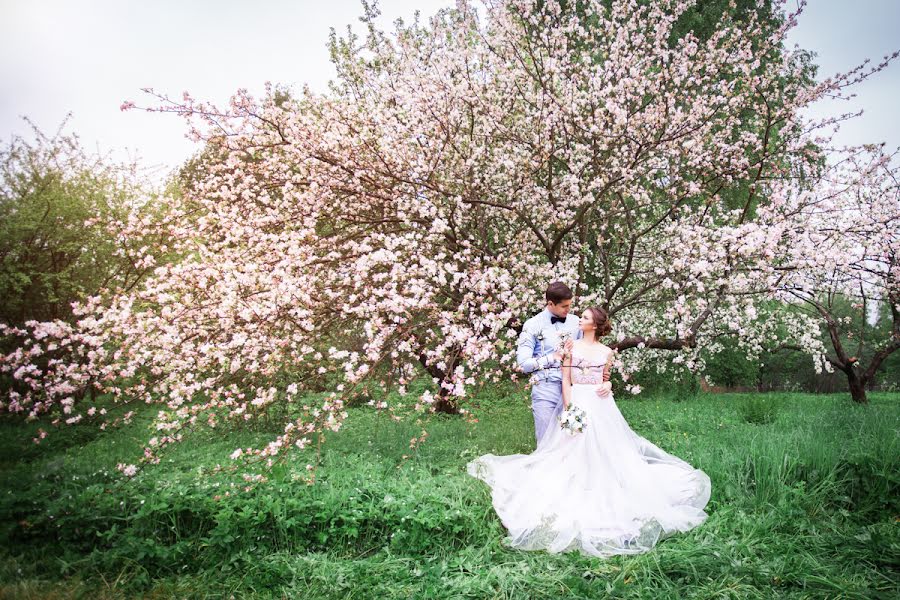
603	491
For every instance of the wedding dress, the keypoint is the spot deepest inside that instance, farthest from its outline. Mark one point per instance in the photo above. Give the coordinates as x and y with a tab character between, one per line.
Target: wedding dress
603	491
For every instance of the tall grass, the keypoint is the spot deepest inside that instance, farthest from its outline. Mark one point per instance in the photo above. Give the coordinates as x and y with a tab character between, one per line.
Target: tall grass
804	504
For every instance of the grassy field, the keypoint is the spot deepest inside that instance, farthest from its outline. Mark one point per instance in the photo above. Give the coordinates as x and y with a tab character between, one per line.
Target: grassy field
805	504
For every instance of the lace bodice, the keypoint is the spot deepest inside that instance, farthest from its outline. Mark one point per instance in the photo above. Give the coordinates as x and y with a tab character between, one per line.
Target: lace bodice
587	371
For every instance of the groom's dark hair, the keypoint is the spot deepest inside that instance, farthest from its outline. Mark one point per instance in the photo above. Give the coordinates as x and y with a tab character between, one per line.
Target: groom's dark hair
557	292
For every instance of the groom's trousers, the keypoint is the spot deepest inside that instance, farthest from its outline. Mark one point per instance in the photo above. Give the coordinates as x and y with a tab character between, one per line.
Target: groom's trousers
546	404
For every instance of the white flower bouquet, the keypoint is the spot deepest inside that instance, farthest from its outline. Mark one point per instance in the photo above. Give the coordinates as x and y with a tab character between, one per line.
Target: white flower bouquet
573	420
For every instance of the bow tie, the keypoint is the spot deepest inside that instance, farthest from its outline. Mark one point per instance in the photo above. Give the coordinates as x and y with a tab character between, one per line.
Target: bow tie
555	320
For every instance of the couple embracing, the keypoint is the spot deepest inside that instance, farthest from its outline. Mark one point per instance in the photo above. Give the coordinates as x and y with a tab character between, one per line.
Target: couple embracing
598	487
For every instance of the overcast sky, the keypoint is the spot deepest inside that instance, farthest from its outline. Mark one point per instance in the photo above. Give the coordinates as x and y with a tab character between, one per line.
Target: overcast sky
88	56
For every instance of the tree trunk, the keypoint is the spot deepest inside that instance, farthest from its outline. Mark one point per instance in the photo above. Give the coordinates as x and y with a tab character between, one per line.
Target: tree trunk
857	386
444	404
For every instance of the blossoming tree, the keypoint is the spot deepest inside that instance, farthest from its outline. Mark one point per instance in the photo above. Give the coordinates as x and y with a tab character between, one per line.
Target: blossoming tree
408	220
846	251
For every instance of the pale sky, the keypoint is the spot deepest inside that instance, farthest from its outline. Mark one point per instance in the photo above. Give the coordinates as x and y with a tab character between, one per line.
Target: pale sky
89	56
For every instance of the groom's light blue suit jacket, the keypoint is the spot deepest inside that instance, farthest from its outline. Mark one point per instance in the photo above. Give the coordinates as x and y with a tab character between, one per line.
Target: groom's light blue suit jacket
538	341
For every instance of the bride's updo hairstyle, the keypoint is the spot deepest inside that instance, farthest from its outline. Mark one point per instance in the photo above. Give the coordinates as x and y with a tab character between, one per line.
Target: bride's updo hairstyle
601	321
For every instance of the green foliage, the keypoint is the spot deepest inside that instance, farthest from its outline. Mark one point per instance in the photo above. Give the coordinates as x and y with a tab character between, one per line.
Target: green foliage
730	367
704	16
675	384
802	507
49	256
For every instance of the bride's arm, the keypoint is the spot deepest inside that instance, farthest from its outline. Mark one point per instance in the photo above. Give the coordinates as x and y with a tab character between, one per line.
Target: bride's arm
607	368
605	387
566	369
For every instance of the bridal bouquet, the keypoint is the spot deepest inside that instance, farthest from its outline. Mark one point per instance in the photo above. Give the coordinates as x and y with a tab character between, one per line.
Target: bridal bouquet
573	420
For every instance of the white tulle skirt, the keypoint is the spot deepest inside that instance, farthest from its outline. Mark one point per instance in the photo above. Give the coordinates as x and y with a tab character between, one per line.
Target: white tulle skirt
603	491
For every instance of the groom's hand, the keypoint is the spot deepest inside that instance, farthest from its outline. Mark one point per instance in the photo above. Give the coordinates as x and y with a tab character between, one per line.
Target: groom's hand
604	389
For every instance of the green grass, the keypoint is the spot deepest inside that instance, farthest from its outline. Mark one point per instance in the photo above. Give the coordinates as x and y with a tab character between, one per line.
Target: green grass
805	504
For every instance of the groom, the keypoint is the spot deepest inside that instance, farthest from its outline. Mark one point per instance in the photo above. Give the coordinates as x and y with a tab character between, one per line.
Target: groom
537	353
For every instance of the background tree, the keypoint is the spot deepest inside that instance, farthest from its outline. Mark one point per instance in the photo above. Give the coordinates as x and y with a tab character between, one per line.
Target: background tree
59	208
75	230
854	224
